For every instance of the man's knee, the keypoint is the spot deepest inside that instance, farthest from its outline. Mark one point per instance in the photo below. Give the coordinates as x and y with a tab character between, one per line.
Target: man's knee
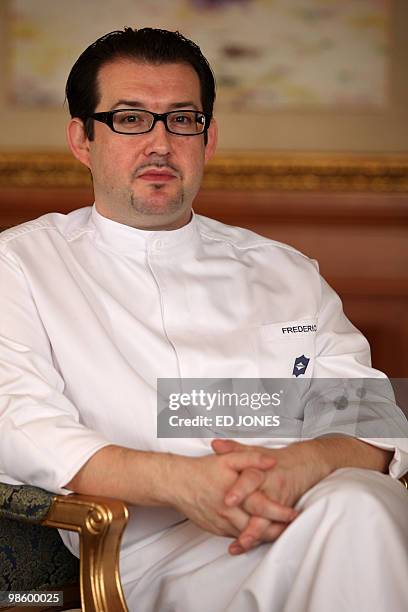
358	493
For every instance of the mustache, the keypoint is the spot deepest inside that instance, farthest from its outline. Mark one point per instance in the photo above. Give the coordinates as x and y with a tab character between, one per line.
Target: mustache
156	165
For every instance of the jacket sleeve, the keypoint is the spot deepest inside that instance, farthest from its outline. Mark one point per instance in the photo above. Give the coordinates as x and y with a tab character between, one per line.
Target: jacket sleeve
43	442
347	396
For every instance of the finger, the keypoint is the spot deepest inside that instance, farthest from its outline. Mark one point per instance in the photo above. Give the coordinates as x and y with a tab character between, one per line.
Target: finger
221	528
260	505
258	532
274	530
224	528
256	459
222	446
237	518
230	523
248	481
254	532
235	548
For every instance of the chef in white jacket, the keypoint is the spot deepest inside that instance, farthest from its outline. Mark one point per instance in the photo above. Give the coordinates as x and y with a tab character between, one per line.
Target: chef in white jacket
98	304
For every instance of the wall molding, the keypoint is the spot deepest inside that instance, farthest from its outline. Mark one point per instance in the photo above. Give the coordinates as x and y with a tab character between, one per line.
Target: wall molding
247	171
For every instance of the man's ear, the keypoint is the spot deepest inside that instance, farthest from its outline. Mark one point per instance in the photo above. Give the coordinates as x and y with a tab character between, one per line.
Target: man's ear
78	141
212	135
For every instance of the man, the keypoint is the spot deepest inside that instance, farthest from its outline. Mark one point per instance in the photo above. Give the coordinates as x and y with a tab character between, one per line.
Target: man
99	303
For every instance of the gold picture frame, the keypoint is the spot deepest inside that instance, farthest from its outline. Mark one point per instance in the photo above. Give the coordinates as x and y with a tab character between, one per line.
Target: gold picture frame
242	170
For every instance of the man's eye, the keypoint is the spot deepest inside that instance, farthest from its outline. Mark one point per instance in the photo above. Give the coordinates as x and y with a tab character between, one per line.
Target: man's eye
129	118
183	119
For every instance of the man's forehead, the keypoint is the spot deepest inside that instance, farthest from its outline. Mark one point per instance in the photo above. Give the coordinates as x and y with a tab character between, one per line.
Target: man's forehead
132	79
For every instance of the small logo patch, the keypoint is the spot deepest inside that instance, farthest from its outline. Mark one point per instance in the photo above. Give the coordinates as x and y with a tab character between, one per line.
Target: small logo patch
300	365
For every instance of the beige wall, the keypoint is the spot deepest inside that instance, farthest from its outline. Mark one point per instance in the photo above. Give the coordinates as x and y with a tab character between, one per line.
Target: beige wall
367	131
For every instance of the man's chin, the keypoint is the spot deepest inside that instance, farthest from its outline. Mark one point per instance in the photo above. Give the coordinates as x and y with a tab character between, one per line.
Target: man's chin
160	213
157	204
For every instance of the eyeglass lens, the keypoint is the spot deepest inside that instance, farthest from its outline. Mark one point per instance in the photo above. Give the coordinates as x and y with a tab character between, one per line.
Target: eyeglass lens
178	122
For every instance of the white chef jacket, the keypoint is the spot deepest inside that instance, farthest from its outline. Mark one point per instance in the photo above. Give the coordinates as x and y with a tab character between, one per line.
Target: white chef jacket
93	312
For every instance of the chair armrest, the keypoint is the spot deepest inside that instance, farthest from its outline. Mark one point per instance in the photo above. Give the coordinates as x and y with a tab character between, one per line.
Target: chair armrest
100	523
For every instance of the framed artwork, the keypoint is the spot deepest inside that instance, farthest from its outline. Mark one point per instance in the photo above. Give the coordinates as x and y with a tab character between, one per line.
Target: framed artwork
266	54
312	94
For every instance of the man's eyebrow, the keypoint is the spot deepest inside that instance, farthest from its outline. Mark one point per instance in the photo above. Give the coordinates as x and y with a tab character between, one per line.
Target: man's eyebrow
186	104
128	104
138	104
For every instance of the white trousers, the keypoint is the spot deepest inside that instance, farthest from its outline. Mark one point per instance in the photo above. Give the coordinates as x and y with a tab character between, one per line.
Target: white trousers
346	552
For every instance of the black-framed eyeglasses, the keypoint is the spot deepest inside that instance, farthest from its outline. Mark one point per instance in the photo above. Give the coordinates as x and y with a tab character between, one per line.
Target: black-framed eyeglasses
137	121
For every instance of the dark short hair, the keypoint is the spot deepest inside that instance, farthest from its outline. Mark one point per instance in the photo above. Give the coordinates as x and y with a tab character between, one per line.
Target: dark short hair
151	45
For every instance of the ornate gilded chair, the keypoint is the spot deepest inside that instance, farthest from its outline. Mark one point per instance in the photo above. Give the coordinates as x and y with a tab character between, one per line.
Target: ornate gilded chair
34	558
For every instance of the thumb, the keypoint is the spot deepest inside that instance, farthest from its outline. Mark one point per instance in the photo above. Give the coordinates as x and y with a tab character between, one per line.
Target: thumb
222	446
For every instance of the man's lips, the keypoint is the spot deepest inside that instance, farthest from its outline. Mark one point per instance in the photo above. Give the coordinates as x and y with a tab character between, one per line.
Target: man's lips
156	176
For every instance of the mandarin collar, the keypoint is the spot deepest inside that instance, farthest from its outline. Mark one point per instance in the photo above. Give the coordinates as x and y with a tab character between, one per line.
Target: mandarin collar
127	240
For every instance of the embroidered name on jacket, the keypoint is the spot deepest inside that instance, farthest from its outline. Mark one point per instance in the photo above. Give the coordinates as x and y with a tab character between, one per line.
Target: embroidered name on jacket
299	329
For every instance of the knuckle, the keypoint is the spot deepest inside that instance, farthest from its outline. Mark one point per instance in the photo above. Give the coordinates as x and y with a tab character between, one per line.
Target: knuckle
221	526
254	476
255	533
274	531
270	537
248	505
252	531
256	503
257	524
223	513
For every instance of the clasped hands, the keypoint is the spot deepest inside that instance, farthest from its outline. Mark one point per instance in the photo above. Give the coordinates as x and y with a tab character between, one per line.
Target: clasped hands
260	503
247	492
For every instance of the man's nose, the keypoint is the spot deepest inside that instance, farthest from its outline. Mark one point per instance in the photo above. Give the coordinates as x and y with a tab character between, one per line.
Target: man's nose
158	140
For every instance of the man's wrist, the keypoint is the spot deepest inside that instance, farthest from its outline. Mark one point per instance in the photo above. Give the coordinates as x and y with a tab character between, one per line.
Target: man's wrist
173	470
316	461
335	452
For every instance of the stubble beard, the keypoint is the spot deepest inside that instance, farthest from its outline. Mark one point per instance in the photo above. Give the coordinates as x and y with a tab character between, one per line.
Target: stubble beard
149	205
